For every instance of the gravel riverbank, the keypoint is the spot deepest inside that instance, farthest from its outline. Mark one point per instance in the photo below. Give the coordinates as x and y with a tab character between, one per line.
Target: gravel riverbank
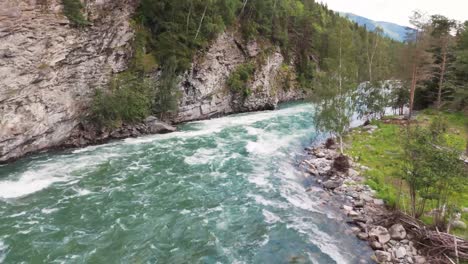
365	213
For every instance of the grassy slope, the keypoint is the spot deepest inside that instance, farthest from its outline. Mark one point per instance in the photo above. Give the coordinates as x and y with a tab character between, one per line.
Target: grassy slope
382	153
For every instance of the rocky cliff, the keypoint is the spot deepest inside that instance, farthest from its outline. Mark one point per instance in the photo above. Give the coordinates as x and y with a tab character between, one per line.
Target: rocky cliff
204	90
49	70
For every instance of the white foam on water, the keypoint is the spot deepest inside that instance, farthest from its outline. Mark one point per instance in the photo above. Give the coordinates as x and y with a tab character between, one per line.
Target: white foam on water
207	127
44	174
49	211
30	182
82	192
270	217
202	156
265	202
3	248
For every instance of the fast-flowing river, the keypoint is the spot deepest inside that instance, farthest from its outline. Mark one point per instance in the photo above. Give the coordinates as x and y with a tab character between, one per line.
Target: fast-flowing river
225	190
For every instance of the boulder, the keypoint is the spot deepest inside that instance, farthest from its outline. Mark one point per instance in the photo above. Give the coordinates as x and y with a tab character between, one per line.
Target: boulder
158	127
332	184
382	256
400	253
381	233
379	202
420	260
459	224
363	236
397	232
353	213
376	245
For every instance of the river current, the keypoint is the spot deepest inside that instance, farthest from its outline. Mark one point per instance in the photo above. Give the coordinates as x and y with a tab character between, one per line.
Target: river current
226	190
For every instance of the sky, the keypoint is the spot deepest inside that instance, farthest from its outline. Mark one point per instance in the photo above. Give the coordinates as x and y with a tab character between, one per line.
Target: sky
398	11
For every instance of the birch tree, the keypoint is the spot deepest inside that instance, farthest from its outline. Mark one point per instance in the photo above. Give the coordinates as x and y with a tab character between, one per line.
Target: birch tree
334	107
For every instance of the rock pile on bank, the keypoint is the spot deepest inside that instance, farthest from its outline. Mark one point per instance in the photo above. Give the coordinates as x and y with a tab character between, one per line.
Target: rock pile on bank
364	211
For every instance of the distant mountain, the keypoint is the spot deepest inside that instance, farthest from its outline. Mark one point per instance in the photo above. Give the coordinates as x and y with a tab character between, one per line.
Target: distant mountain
391	30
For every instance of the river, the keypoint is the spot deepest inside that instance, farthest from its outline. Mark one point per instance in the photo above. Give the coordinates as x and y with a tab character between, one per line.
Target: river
226	190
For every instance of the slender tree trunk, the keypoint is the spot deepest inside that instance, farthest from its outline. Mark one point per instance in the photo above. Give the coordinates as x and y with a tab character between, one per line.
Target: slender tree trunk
188	17
201	22
412	91
442	76
243	6
341	144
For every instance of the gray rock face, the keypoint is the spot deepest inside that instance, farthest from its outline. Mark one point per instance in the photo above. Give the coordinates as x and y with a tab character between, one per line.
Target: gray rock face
204	91
48	69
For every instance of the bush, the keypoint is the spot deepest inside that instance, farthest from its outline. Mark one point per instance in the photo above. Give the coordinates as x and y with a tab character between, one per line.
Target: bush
329	143
72	10
129	99
341	163
239	79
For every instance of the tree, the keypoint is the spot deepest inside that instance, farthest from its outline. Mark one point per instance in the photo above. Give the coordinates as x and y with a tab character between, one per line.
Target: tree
433	170
334	108
417	60
166	94
460	98
442	40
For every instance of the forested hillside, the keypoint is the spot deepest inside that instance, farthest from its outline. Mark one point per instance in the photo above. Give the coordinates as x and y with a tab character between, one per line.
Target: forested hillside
170	33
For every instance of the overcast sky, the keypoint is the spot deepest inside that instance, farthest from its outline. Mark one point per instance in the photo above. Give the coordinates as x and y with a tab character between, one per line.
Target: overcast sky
398	11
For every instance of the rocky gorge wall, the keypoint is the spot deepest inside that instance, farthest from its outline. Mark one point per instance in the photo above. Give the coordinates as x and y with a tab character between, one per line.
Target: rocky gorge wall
204	90
49	71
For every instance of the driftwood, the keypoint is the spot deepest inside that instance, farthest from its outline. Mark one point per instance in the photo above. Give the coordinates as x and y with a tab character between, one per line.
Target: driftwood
439	246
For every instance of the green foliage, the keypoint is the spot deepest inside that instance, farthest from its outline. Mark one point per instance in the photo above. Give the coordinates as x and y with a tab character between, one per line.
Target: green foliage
143	60
179	27
383	152
128	99
166	94
334	86
238	81
302	28
432	169
72	10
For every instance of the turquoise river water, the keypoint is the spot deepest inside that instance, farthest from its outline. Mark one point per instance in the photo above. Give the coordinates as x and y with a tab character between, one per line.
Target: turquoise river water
226	190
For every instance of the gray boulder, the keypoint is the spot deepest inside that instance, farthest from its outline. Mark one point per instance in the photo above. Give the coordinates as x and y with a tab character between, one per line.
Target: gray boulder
400	253
459	224
381	233
331	184
158	127
382	256
397	232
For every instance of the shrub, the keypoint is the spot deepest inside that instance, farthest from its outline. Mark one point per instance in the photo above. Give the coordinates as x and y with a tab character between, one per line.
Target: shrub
72	10
239	79
329	143
341	163
128	99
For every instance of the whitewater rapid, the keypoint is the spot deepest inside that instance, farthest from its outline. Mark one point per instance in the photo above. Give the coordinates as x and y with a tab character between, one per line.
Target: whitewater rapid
225	190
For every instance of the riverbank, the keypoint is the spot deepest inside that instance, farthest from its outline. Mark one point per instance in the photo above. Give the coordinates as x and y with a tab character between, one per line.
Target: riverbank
366	214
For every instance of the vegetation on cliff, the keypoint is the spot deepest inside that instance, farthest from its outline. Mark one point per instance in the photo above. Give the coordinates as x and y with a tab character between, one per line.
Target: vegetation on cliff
72	9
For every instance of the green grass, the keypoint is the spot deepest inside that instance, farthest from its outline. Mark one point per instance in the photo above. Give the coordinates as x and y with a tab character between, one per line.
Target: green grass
382	153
